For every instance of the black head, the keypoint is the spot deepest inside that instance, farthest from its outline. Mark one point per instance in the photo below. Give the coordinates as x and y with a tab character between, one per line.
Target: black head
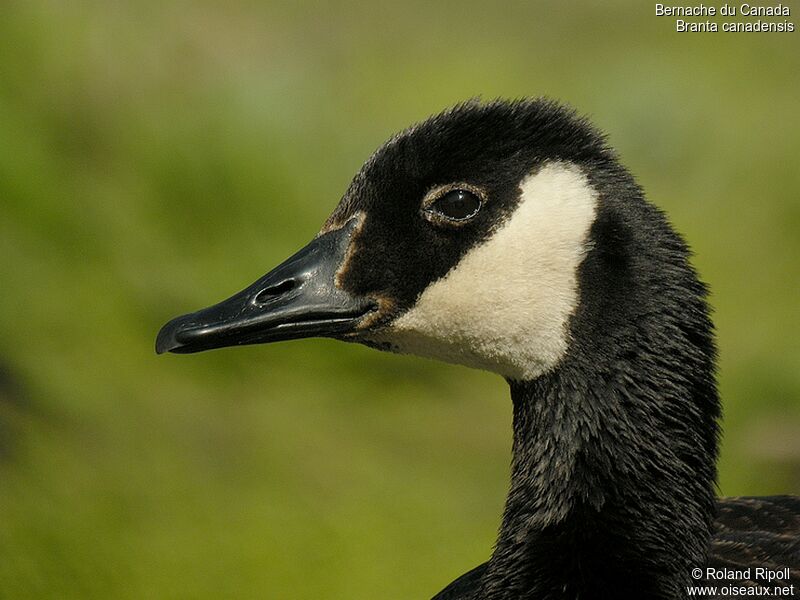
460	239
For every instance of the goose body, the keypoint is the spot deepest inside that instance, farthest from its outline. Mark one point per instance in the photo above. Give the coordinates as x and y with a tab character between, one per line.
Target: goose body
507	236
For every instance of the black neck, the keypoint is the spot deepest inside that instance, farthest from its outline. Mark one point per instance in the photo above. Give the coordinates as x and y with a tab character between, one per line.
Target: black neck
594	513
613	474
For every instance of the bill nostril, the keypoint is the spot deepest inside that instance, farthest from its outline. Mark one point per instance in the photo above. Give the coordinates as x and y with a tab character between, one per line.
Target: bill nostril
274	291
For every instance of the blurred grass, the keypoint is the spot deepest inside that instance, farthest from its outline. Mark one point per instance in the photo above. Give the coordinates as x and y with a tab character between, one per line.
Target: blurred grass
154	158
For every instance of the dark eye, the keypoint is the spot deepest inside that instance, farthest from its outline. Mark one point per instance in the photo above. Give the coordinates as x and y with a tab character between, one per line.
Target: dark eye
456	205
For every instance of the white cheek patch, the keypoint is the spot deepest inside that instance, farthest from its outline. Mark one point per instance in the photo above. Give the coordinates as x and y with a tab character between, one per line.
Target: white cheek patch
504	307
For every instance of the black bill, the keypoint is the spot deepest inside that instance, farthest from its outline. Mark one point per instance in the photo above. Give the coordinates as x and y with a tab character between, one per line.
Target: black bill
297	299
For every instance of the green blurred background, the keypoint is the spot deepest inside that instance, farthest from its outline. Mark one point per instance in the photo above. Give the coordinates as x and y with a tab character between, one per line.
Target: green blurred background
155	157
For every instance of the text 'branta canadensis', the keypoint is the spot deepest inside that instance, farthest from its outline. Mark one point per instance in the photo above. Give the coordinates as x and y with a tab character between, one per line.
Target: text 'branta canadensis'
507	236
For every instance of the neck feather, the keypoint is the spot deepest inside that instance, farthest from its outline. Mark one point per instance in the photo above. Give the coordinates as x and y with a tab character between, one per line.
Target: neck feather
613	473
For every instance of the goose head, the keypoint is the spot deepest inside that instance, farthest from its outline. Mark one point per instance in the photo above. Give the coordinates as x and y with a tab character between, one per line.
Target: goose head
459	239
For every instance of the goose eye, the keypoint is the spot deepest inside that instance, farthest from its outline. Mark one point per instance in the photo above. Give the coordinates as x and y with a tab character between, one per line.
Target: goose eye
456	205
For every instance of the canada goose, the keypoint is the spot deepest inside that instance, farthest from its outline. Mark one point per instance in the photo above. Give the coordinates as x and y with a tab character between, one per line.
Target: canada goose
507	236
